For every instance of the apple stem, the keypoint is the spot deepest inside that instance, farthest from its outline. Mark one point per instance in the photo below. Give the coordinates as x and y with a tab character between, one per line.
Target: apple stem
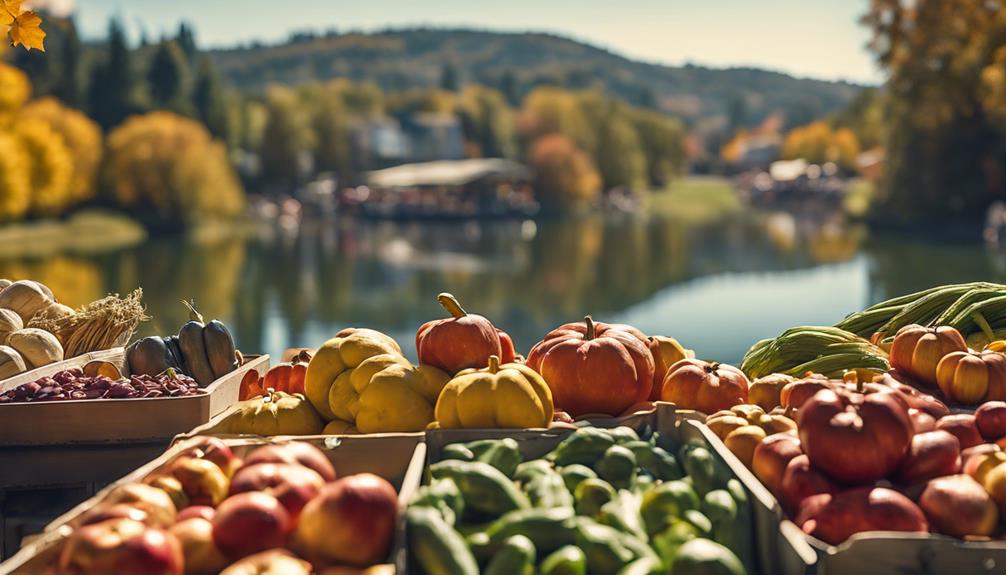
494	363
590	328
451	304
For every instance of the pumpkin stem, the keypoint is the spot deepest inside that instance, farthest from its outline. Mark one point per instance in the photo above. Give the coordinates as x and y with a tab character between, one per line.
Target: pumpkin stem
712	367
193	314
494	363
451	304
590	328
270	395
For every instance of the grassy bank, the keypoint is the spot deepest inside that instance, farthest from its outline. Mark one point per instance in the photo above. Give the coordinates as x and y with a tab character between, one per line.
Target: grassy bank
695	199
86	232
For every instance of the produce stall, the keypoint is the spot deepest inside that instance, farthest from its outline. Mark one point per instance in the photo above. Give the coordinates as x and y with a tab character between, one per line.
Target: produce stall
876	445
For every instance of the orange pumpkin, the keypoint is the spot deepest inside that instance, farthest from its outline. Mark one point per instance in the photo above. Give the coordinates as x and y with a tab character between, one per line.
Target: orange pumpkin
666	352
972	377
462	341
917	350
288	377
703	386
251	386
594	367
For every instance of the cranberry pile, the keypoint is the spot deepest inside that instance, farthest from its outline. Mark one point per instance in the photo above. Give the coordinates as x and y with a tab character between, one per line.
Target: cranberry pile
73	384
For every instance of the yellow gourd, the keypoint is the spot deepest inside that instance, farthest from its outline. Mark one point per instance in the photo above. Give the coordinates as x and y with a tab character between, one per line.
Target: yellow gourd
276	413
337	357
386	393
511	395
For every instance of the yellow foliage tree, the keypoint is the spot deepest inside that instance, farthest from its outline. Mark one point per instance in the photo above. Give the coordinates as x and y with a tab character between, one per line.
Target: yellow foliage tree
15	178
80	135
818	143
170	164
550	110
15	88
51	165
565	174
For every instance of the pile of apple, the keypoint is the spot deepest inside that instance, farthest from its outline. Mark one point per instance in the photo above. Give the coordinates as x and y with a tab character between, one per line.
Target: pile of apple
279	510
883	456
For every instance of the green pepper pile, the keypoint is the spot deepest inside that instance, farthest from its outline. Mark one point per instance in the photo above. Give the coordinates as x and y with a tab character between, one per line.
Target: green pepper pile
603	502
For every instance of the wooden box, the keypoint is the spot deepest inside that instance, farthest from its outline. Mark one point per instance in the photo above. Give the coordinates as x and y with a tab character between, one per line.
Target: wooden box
113	420
400	461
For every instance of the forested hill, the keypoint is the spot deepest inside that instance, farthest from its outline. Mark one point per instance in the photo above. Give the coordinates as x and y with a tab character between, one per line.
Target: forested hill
517	62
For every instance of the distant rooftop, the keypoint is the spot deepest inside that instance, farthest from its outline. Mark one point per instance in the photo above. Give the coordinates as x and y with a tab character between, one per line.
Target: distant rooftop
446	173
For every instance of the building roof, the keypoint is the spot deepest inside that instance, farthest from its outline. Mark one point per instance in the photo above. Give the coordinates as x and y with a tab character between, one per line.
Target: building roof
446	173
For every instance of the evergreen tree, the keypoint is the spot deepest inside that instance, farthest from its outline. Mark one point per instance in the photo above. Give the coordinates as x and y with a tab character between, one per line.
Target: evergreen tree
209	100
508	86
69	89
186	40
167	77
111	92
449	78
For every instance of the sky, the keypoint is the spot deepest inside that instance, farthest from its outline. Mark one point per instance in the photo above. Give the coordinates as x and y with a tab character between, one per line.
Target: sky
812	38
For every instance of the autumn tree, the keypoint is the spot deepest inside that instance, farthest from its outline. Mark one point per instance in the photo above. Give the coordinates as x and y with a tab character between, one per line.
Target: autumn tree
82	138
487	122
946	115
286	138
563	174
662	141
818	143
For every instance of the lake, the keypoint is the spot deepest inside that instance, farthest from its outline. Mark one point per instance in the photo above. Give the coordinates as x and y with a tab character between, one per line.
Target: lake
717	287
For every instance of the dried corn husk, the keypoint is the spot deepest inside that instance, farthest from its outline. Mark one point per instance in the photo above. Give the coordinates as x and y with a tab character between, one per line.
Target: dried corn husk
106	323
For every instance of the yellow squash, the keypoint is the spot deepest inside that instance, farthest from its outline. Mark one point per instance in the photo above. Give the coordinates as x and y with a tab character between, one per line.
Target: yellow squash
275	413
336	358
511	395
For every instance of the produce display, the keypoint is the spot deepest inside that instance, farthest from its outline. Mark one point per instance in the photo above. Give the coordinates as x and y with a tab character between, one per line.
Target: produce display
279	510
36	330
76	384
601	502
204	351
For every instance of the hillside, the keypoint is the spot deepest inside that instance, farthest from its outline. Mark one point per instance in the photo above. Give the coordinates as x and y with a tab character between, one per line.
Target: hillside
516	62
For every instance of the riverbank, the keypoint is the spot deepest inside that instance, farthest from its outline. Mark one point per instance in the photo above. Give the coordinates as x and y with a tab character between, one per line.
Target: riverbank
86	232
695	200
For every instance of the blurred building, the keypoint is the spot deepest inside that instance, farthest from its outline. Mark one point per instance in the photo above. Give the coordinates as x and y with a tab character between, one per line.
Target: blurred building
422	137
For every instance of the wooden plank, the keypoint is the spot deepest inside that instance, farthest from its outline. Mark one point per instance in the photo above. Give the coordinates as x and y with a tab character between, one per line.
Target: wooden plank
114	420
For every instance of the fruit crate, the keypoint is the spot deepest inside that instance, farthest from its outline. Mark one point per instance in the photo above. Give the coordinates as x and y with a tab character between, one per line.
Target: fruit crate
680	426
876	552
401	463
115	421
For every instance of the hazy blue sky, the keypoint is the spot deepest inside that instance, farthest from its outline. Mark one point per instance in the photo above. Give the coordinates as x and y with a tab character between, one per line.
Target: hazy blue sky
818	38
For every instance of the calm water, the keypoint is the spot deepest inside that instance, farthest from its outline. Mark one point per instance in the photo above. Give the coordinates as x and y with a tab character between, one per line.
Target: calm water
718	288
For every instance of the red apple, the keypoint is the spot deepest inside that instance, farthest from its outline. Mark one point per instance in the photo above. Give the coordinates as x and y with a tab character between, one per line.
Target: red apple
202	511
913	397
991	419
271	562
771	457
171	486
292	485
294	452
204	482
921	421
155	502
800	480
104	512
351	522
958	506
964	427
213	449
250	522
932	454
835	518
202	556
122	547
856	438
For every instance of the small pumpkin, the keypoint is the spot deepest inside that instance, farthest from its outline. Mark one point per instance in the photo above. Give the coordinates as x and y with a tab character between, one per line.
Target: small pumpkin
594	367
11	362
666	352
288	376
917	350
9	321
26	298
275	413
462	341
37	346
723	423
766	391
972	377
703	386
510	395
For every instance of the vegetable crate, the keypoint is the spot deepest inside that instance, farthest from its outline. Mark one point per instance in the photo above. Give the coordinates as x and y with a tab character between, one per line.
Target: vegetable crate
112	420
872	552
400	462
680	427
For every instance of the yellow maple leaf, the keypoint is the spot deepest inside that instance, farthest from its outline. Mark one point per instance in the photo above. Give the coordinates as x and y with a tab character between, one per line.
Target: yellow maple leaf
26	29
9	9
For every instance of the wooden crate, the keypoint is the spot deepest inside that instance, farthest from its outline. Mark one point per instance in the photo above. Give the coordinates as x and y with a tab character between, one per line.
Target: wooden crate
113	420
400	462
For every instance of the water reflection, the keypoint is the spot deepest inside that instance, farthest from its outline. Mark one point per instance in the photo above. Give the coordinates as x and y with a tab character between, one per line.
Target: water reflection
718	287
